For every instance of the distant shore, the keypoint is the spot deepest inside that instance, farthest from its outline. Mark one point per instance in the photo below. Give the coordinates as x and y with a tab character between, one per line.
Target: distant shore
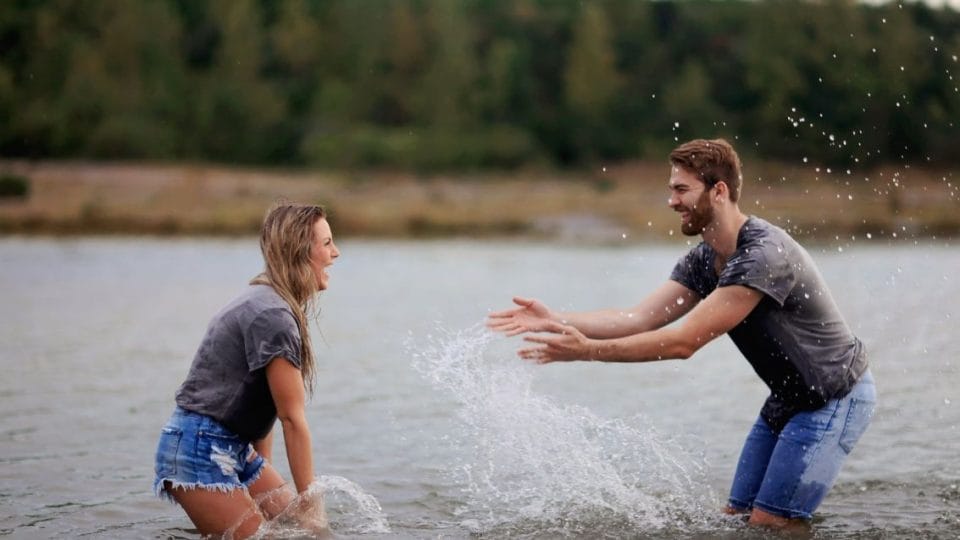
612	204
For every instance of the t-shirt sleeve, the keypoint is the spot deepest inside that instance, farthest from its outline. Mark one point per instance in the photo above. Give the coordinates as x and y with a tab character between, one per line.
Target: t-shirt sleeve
763	266
690	272
272	334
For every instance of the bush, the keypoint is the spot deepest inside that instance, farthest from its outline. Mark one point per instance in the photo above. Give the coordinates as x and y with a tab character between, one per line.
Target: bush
501	146
14	186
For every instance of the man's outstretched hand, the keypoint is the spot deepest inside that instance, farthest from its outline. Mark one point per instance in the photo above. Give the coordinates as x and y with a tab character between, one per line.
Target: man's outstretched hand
531	316
563	344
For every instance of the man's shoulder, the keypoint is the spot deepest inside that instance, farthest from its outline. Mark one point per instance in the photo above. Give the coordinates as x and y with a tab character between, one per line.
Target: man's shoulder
757	227
758	234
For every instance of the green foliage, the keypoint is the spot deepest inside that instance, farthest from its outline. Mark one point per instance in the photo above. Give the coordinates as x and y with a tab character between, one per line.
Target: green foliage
438	85
500	146
14	186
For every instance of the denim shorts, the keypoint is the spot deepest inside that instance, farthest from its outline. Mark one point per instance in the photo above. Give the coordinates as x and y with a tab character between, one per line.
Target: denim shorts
196	451
788	474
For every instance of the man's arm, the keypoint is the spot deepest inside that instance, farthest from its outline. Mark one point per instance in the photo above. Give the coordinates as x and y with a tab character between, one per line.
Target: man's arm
715	315
666	304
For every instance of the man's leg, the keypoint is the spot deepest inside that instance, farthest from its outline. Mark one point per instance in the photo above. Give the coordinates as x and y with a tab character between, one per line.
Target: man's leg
808	456
751	467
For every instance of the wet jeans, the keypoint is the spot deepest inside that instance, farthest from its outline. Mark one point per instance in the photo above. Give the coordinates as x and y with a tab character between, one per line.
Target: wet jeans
789	474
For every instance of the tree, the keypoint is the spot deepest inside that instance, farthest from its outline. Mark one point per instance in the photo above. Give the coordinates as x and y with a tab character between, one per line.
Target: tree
591	80
240	114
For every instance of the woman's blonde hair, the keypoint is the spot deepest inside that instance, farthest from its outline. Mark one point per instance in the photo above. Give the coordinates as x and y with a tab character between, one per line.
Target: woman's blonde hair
285	241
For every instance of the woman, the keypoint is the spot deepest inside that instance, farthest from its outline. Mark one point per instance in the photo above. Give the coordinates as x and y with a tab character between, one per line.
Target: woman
254	365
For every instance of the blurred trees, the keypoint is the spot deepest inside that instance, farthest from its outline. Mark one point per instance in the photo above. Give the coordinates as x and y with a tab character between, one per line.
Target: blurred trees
434	85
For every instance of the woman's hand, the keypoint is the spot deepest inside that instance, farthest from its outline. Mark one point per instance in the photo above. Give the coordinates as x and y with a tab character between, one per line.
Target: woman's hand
309	513
531	316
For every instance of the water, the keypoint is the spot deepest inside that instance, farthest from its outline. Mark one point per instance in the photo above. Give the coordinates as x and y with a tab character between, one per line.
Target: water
426	426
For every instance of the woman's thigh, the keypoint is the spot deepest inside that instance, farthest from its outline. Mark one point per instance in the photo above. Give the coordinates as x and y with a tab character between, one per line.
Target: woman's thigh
271	493
217	512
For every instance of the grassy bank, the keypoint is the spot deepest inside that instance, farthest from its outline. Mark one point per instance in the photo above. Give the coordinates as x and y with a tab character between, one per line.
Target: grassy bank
604	205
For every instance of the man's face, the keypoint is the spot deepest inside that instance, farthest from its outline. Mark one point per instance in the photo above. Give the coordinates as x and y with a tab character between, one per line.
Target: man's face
690	196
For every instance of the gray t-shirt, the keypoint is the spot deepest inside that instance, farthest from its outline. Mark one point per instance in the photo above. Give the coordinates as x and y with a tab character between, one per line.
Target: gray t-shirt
795	339
227	380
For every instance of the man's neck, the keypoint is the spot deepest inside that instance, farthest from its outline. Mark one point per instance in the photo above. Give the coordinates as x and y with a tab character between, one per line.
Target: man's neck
723	232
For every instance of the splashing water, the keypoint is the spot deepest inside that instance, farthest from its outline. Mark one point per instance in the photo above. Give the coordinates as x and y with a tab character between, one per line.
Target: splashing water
535	467
331	507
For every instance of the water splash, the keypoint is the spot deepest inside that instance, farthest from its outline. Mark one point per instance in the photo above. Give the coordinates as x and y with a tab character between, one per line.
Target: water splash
331	507
351	510
533	467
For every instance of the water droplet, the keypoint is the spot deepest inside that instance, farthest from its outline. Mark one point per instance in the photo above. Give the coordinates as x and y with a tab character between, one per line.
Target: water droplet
679	301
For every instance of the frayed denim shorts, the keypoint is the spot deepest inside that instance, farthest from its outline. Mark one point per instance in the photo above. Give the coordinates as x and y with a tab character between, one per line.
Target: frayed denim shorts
788	474
196	451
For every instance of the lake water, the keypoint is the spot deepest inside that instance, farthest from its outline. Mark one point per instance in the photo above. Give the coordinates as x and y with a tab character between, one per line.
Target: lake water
424	425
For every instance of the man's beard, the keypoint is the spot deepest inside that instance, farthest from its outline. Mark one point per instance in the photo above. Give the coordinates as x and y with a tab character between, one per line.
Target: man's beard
701	215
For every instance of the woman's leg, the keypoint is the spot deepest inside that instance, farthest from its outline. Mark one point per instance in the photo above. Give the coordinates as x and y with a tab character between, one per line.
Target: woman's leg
215	512
274	498
270	492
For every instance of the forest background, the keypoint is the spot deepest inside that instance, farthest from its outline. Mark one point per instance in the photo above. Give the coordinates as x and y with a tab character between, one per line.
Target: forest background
473	116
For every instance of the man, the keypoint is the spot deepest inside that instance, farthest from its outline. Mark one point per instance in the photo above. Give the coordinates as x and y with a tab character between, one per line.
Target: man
751	280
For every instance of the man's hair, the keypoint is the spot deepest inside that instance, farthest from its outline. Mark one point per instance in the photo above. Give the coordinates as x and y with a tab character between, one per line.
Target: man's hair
286	239
712	161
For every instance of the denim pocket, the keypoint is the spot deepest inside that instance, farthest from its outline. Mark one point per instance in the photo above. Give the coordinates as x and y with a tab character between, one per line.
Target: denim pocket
856	422
808	428
167	450
223	449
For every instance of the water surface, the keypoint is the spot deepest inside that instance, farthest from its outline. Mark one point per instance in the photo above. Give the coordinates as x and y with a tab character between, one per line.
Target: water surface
420	411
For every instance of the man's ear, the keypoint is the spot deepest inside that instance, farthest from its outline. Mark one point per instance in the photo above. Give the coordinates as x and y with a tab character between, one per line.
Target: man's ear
721	189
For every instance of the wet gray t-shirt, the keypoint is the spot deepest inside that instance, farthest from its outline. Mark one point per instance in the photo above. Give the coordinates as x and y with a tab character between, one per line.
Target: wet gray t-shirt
795	339
227	380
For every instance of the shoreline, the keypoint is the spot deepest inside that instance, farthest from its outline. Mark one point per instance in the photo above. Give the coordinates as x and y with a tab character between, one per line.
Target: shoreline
618	203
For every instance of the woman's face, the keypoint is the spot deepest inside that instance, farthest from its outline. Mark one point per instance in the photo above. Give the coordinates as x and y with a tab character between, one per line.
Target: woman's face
322	252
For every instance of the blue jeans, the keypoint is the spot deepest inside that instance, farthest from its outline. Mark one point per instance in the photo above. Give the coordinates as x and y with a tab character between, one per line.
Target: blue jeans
788	474
196	451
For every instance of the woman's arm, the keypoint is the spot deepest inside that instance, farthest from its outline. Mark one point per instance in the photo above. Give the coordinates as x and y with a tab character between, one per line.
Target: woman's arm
286	387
